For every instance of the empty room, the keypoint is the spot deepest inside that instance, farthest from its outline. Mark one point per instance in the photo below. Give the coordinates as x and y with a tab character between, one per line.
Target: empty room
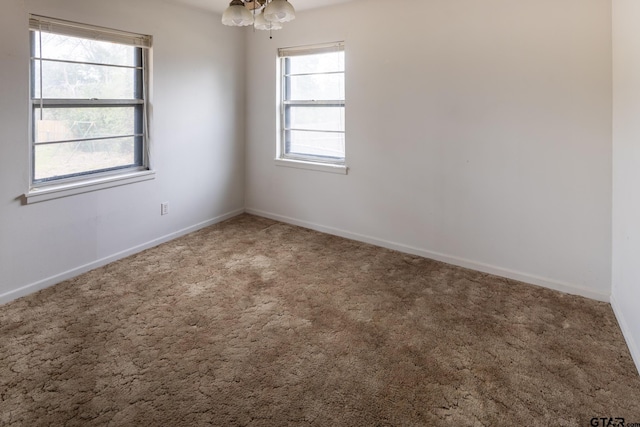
320	212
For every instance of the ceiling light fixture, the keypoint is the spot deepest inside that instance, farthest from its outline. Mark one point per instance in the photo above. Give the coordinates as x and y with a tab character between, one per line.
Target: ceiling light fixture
262	14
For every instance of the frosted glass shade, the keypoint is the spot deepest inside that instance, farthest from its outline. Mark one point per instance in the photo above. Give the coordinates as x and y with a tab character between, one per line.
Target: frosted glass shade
237	15
279	11
262	24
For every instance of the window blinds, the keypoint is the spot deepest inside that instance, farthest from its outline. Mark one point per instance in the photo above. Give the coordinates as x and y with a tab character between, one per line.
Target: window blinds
59	26
315	49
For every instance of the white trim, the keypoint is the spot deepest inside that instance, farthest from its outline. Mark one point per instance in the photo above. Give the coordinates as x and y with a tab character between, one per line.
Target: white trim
556	285
322	167
35	195
53	280
634	349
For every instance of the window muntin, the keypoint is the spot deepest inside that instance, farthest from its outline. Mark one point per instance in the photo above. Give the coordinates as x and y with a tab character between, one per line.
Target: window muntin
313	103
87	101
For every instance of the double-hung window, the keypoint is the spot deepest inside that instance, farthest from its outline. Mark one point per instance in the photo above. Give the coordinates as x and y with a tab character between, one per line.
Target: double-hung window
88	102
312	104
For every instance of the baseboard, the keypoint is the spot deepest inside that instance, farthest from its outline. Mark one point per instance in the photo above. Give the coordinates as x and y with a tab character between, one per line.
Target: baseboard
50	281
634	349
485	268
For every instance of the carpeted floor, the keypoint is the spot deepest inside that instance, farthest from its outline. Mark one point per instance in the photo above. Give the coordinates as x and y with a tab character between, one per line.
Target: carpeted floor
257	323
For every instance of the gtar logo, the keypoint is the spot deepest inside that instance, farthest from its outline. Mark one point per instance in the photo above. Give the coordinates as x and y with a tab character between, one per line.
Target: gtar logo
607	422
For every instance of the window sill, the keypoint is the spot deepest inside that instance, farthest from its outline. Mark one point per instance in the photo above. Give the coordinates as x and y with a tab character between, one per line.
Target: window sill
321	167
40	194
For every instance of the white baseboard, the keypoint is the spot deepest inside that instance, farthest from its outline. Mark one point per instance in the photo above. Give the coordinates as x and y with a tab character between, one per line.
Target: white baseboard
485	268
634	349
50	281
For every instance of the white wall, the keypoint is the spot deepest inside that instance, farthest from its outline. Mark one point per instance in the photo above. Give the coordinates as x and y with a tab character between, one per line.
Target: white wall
478	133
197	144
626	170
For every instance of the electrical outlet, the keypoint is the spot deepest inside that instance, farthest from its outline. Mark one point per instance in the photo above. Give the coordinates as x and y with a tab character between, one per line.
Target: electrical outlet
164	208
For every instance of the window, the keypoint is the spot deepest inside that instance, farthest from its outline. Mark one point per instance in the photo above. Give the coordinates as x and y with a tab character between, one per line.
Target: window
88	102
313	104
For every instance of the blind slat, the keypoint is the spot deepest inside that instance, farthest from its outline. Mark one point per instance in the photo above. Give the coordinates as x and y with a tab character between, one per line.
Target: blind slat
67	28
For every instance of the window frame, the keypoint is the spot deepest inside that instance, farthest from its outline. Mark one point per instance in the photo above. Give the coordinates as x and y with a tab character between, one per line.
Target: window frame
283	157
72	183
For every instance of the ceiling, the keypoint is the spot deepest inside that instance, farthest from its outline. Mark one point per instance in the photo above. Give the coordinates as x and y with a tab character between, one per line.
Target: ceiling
220	5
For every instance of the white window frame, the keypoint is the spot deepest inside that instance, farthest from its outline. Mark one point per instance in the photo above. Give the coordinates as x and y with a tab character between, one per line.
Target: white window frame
311	162
46	189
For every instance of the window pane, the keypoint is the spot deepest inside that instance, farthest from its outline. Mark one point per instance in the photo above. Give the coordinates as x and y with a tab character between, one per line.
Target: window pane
318	63
320	144
319	87
82	81
62	124
316	118
59	160
55	46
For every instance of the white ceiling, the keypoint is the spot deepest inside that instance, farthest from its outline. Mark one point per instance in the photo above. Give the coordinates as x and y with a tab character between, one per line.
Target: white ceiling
220	5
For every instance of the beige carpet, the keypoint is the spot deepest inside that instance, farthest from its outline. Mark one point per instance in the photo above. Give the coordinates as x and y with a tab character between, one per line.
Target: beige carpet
257	323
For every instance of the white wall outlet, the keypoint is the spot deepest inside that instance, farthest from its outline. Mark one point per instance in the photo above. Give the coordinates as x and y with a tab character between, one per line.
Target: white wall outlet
164	208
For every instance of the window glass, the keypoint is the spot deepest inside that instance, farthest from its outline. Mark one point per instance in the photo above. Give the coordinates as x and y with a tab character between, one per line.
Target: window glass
63	124
316	87
84	81
80	157
69	48
317	118
317	63
319	144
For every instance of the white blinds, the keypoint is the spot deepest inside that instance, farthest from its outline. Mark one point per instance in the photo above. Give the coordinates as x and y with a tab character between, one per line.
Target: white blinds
59	26
306	50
